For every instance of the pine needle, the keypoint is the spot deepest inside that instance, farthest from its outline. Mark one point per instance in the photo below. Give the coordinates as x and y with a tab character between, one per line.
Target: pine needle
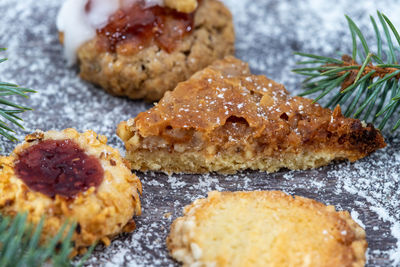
362	88
9	115
20	246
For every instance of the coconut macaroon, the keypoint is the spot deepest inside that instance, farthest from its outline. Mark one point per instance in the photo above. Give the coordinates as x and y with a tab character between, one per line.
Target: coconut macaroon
224	119
265	228
143	48
70	176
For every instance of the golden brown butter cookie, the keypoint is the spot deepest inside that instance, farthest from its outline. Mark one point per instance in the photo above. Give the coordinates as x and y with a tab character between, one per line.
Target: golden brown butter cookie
144	61
265	228
70	176
224	119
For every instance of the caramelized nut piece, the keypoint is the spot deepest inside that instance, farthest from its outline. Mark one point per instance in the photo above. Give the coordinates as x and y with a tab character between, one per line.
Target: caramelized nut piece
38	135
186	6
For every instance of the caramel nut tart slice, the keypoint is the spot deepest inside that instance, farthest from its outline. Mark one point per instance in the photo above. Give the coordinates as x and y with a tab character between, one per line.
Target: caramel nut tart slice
224	119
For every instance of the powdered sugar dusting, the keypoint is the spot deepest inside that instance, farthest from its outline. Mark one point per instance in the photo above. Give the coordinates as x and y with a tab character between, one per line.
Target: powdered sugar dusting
354	214
267	34
314	26
378	184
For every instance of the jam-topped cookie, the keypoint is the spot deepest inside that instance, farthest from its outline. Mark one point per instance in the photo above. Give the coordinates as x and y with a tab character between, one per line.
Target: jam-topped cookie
142	48
224	119
265	228
70	176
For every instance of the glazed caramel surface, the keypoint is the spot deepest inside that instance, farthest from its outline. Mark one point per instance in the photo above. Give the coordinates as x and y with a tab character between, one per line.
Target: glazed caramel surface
229	106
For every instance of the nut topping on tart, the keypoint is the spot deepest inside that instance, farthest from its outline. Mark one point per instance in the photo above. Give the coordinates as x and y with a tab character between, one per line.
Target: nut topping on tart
224	119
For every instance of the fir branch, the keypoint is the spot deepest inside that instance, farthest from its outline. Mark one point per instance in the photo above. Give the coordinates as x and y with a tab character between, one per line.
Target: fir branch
20	246
10	110
366	83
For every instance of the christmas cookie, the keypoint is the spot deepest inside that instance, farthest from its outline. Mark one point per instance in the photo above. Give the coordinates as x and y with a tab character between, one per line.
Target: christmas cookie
70	176
140	49
265	228
224	119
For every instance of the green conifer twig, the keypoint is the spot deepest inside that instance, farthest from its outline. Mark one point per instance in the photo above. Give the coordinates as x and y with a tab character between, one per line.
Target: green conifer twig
8	109
20	246
369	90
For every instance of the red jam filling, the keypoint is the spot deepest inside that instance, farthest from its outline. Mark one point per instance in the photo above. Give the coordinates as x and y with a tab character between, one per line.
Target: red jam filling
130	30
58	167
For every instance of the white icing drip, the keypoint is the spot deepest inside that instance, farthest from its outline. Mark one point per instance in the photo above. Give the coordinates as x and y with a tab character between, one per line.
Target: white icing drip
79	26
100	11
